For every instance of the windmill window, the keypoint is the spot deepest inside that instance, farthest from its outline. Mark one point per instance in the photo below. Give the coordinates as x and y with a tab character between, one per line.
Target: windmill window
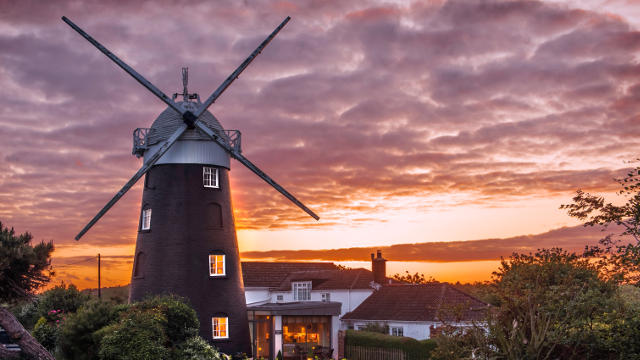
217	265
301	290
210	177
138	269
146	219
220	327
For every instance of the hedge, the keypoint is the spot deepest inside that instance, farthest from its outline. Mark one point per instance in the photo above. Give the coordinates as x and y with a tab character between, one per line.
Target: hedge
413	349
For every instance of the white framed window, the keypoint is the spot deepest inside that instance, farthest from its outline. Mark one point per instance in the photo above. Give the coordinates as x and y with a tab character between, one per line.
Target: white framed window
279	297
326	297
396	331
301	290
217	265
220	327
210	177
146	219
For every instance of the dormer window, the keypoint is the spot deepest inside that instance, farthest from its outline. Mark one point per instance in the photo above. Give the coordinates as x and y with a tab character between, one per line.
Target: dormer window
301	290
217	265
146	219
210	177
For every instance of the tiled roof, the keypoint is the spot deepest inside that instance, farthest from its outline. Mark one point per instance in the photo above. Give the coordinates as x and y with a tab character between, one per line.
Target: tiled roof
430	302
272	274
331	279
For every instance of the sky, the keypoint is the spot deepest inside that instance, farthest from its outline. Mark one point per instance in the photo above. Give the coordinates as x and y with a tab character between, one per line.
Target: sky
398	122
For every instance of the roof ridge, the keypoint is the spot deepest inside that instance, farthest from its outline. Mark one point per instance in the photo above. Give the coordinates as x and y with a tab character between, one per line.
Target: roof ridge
467	294
353	283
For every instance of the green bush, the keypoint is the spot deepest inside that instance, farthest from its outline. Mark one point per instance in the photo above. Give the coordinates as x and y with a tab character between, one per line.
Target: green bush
46	334
139	335
68	299
196	348
79	334
413	349
27	313
182	321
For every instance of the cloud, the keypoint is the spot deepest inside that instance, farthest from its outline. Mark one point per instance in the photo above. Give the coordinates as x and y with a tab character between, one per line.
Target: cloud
352	102
572	239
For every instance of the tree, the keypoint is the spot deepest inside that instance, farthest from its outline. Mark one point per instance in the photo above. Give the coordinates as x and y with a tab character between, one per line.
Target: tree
551	304
619	256
23	269
416	278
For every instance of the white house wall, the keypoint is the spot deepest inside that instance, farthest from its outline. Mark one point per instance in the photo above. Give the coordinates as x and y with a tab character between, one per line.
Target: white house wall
256	295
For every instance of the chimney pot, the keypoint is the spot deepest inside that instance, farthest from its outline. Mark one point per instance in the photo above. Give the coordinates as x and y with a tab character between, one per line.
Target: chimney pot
379	268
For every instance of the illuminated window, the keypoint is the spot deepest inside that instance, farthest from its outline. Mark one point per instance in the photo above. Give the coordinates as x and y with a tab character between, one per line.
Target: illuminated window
216	265
301	290
397	331
210	177
220	327
146	219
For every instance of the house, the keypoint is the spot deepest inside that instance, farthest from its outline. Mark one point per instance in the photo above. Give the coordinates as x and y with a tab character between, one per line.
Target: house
416	310
299	307
295	307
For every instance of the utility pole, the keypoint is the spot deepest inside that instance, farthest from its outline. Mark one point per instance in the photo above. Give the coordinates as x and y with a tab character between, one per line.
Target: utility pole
99	290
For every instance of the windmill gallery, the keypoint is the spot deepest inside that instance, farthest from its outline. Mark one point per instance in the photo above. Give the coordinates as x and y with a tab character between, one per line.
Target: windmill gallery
186	241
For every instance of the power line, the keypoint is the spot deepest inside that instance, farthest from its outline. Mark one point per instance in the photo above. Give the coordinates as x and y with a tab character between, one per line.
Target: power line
76	262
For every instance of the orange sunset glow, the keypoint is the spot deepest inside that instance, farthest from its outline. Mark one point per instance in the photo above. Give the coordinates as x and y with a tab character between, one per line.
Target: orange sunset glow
446	133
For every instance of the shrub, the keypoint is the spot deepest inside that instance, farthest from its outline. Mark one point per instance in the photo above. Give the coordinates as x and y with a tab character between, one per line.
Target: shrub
68	299
196	348
412	348
182	321
138	336
46	334
79	334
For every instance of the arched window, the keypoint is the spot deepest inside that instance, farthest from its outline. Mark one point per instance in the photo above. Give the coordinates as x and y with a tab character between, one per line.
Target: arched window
138	266
213	215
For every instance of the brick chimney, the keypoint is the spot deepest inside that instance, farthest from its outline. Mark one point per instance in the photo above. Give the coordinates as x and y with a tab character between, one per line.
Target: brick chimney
379	268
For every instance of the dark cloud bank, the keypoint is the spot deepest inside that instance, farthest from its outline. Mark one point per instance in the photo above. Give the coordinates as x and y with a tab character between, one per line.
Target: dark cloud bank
569	238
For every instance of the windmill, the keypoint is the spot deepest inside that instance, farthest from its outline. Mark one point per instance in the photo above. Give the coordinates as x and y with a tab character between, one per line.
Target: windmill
186	240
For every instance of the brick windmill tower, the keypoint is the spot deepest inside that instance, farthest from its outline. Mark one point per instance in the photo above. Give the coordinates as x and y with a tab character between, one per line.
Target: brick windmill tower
186	241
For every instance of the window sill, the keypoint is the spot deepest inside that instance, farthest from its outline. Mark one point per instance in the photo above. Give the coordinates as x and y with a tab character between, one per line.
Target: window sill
144	231
218	276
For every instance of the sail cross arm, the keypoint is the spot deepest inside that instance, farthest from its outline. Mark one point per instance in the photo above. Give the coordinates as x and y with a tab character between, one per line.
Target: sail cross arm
143	170
244	161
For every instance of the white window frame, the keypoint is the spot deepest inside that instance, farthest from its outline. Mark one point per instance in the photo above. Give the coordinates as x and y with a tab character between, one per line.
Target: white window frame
280	297
326	297
210	177
146	219
216	329
301	288
214	265
396	331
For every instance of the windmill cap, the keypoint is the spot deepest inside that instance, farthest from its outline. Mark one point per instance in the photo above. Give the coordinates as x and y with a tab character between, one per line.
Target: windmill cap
170	120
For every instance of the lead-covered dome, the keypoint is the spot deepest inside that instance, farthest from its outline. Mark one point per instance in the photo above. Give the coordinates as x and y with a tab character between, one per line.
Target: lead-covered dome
170	120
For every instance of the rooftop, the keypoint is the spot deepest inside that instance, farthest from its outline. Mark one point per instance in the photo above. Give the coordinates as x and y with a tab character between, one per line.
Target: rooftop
429	302
272	274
